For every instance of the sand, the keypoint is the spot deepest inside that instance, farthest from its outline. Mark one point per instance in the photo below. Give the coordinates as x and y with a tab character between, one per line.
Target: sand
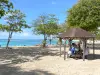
39	61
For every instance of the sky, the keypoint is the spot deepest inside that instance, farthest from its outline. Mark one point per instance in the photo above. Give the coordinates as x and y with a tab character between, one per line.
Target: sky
34	8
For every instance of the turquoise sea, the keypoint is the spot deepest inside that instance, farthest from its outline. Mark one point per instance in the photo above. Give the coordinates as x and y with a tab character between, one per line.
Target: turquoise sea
27	42
24	42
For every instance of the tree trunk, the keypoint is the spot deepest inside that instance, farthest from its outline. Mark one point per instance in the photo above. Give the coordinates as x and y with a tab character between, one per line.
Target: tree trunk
8	43
44	43
9	38
50	41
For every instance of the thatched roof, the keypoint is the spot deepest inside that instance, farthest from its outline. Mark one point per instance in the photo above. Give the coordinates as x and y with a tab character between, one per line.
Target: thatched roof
76	33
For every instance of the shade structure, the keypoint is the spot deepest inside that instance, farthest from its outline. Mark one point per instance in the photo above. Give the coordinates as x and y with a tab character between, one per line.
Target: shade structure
76	33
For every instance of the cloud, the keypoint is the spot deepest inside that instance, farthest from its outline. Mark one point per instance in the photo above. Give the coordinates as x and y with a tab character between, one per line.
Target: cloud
26	34
22	34
53	2
3	34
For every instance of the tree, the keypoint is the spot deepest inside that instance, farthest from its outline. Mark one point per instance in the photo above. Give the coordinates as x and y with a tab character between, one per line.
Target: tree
16	22
52	26
39	26
85	14
63	27
46	25
5	6
97	33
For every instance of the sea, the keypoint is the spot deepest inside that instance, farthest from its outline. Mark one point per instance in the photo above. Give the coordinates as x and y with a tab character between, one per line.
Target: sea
28	42
25	42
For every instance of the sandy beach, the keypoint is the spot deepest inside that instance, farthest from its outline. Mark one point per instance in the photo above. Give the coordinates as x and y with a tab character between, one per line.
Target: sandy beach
39	61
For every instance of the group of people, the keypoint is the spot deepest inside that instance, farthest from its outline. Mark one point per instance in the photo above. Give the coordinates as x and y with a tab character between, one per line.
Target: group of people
74	48
77	50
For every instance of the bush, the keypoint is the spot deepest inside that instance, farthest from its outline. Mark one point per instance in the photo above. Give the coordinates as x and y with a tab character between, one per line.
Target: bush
44	43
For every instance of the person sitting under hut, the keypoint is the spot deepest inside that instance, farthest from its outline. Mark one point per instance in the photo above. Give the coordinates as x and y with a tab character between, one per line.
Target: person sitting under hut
75	51
73	48
86	52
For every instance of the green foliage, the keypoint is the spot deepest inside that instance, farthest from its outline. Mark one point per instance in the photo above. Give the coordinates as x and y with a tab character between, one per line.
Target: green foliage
16	21
85	14
52	25
3	27
60	41
97	34
39	25
47	24
5	6
63	27
43	43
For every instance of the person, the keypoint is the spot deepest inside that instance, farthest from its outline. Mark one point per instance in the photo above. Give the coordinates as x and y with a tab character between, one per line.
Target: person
73	49
77	48
69	54
86	52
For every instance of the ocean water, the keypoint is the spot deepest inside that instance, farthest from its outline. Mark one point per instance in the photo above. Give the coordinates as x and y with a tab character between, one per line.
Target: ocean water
26	42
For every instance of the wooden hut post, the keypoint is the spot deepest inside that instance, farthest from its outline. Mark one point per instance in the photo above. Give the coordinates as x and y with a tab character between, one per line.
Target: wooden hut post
83	49
93	49
64	49
85	43
70	43
60	40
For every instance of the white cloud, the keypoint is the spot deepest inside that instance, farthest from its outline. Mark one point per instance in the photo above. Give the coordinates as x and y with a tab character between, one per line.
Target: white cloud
22	34
53	2
15	35
3	34
26	34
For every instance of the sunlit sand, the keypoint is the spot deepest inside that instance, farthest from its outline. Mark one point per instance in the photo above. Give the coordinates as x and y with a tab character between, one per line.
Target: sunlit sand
39	61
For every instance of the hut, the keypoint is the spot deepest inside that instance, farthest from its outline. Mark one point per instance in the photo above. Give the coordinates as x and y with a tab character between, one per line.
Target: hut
77	33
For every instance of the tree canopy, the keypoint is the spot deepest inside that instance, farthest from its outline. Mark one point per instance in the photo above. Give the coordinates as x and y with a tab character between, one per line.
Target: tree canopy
46	24
5	6
16	21
39	24
85	14
52	25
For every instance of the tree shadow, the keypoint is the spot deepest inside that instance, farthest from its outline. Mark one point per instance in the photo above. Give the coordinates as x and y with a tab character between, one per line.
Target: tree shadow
21	55
7	69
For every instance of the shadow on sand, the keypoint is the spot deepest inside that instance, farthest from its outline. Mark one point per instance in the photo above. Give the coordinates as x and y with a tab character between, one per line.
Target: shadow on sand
21	55
14	56
9	70
93	57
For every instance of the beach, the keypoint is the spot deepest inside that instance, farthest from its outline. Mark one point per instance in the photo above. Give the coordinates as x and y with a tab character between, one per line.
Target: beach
46	61
49	37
